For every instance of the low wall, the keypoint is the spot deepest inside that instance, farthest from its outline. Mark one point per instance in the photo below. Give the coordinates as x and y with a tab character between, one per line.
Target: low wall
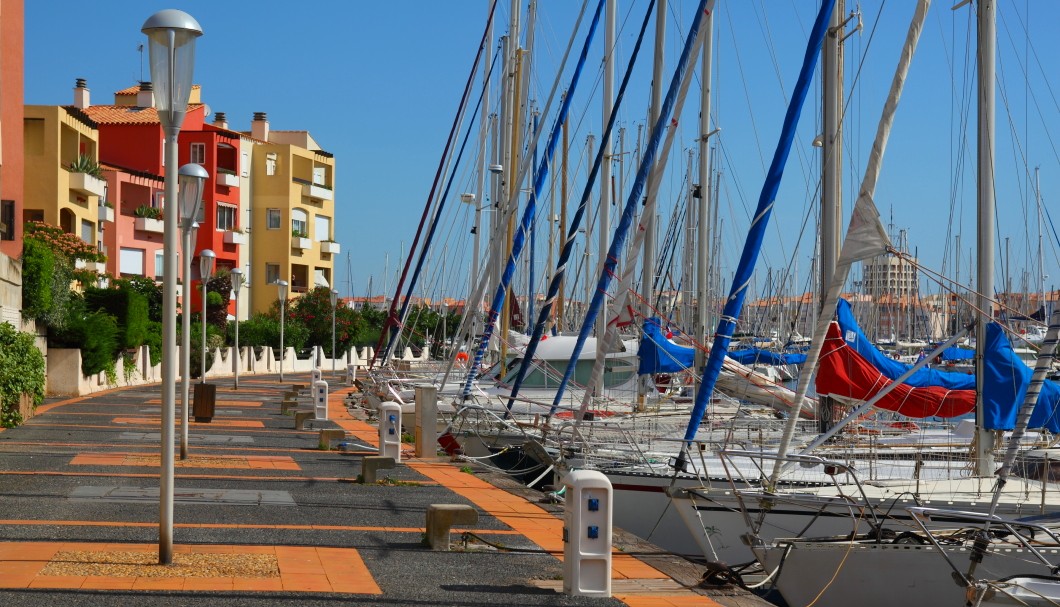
66	379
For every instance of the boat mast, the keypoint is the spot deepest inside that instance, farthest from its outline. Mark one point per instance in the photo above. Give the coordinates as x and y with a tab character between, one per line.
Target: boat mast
648	222
688	257
480	186
984	443
561	301
703	213
1041	252
608	95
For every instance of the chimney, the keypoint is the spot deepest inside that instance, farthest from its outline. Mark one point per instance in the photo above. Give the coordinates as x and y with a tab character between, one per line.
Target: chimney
220	120
81	97
146	96
259	127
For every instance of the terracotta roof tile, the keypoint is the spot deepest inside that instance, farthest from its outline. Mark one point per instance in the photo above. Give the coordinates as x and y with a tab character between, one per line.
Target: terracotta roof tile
132	90
126	114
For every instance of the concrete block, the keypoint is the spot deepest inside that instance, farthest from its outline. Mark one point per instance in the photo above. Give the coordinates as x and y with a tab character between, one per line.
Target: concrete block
372	464
330	434
442	517
300	418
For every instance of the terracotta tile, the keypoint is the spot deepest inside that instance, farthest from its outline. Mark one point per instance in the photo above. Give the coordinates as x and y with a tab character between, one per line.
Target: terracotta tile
58	581
258	584
306	582
158	583
108	583
208	583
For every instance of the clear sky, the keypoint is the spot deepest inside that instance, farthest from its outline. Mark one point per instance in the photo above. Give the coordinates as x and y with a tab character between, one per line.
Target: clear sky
377	84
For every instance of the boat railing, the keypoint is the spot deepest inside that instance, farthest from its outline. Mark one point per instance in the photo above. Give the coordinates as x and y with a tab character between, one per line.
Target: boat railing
1029	536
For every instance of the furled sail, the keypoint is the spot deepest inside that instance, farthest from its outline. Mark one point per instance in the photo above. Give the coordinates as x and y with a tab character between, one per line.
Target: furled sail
660	355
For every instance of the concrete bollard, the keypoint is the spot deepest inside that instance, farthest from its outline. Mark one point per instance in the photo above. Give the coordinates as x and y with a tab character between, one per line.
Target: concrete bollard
426	420
390	430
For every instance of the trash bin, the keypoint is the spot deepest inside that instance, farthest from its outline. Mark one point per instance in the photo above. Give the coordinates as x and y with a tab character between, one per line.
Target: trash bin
205	399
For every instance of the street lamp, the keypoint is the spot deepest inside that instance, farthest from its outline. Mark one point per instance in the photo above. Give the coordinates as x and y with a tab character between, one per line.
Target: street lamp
334	302
237	284
281	292
191	180
171	38
206	261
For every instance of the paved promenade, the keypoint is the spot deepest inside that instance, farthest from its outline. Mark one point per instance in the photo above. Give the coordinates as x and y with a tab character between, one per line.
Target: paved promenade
264	517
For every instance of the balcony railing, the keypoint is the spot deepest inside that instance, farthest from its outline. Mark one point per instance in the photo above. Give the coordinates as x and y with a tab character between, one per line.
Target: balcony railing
232	237
87	185
146	224
315	191
297	242
106	213
330	247
228	179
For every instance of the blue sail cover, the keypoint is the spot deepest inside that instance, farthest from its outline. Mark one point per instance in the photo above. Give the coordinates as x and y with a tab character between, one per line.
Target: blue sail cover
660	355
1005	386
891	368
758	356
957	353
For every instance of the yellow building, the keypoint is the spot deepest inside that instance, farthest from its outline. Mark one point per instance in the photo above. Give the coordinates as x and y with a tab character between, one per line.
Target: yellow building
63	182
292	205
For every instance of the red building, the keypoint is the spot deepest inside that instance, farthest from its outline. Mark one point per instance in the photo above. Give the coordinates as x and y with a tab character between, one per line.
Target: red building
131	142
12	33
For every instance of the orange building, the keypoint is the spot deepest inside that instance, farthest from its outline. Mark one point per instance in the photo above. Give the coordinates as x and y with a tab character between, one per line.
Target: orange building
12	33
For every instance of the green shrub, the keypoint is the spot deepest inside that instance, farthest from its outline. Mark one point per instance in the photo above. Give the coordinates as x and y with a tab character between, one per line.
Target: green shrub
148	212
21	372
153	341
214	339
129	309
151	291
38	268
96	335
262	330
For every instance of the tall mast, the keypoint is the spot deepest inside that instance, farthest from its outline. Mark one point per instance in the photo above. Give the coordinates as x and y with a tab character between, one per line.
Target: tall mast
1041	252
648	221
831	146
561	301
608	95
480	191
984	443
688	259
703	212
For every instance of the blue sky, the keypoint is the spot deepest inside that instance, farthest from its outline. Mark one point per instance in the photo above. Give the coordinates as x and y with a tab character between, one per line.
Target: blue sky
377	84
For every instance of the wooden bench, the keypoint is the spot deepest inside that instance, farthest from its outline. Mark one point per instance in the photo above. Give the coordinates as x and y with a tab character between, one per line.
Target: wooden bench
330	434
300	418
442	517
372	464
287	405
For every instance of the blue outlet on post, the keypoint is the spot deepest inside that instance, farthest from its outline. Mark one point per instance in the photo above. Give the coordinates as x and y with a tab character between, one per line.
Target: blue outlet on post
594	532
594	504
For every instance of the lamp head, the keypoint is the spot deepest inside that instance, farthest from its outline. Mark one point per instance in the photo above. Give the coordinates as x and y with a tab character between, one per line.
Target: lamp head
334	298
171	38
281	289
206	260
237	280
191	180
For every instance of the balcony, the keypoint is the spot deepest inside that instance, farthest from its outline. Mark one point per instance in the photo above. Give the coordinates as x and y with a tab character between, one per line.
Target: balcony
235	237
298	242
228	179
315	191
146	224
106	213
91	266
330	247
87	185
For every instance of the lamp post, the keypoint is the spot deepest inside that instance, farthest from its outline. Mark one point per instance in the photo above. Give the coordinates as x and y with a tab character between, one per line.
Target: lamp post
191	180
334	303
206	261
281	292
237	284
171	38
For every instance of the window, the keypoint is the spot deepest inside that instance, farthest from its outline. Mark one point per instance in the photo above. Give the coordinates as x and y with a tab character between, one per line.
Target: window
88	231
160	263
322	228
198	153
272	273
299	221
270	163
318	175
7	219
272	219
158	200
163	151
226	217
245	164
131	261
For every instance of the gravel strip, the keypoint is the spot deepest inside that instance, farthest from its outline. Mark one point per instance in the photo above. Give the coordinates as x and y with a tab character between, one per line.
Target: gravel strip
145	564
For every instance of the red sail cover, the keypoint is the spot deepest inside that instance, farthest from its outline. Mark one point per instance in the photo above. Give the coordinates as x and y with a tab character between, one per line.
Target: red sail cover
844	372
